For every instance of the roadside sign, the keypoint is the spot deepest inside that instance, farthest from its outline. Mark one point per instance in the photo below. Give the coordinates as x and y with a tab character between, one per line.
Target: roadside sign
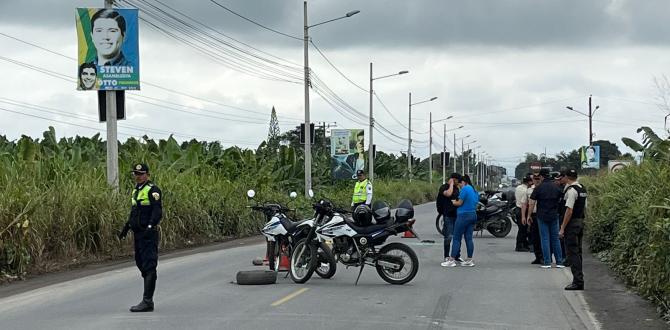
618	165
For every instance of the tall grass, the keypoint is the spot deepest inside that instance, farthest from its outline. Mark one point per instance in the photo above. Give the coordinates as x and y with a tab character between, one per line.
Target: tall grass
629	226
56	209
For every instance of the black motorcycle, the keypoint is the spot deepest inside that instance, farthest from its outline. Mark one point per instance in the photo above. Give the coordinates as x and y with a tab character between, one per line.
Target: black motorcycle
493	214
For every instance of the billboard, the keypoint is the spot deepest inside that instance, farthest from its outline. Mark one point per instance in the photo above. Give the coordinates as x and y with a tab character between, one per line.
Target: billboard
590	157
108	57
347	153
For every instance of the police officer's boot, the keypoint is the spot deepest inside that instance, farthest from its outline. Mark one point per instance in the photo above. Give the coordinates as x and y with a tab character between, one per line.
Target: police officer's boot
147	303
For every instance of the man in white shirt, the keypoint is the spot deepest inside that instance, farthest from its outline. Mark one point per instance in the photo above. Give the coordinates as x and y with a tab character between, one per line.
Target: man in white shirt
521	196
531	221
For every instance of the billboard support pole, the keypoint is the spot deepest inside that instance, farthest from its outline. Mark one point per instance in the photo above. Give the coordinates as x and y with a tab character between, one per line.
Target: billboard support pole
112	139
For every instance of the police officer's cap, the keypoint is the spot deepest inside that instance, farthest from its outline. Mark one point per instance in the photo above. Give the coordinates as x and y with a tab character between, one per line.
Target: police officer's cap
140	168
544	173
360	172
571	173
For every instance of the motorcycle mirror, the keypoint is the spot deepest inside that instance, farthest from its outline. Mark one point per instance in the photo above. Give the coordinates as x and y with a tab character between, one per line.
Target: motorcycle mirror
310	193
293	194
251	193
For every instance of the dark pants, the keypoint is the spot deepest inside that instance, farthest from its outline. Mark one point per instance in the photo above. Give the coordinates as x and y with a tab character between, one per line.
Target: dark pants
448	232
522	234
535	238
146	259
573	243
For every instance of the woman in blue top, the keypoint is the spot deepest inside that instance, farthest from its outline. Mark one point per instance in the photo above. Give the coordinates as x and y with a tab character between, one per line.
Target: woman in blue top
466	217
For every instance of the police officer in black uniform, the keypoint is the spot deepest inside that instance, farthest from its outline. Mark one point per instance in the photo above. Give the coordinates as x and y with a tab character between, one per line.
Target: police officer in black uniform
145	216
572	228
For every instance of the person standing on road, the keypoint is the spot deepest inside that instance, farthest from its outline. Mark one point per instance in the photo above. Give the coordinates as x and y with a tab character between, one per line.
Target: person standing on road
449	214
466	217
547	196
572	228
145	216
362	191
531	221
521	197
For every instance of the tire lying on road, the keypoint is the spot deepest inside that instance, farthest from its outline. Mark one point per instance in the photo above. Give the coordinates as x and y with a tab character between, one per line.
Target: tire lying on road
256	277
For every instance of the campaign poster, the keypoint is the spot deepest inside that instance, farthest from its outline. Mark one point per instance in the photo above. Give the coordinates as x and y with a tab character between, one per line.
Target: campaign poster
347	153
590	157
108	57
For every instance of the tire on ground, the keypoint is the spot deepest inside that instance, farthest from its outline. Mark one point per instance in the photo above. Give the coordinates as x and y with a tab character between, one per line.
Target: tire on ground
256	277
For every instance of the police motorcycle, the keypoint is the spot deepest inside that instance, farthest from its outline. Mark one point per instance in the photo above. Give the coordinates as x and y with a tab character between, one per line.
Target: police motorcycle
281	234
356	244
494	214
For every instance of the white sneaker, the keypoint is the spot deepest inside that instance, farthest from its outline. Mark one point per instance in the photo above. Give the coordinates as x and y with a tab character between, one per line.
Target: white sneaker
468	263
545	266
448	263
459	260
560	266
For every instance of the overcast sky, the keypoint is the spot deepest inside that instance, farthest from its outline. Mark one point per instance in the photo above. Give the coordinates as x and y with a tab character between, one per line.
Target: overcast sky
505	70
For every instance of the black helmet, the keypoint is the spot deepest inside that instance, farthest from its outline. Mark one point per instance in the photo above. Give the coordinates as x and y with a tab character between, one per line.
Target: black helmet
405	211
381	211
362	215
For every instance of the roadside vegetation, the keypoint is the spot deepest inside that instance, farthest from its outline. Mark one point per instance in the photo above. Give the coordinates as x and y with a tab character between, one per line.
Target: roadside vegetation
56	209
629	220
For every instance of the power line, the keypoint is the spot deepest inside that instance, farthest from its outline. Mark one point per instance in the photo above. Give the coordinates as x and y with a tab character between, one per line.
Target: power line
336	69
254	22
519	107
388	111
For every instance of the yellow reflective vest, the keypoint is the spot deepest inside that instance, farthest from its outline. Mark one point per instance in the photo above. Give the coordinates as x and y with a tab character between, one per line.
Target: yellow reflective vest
360	193
142	195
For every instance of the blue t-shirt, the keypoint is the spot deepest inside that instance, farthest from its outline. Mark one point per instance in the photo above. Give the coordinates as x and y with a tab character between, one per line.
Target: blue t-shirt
470	199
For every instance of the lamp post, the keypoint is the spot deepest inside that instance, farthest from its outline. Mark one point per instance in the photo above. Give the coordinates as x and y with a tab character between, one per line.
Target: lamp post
444	152
371	154
409	134
465	137
308	138
463	154
430	143
590	116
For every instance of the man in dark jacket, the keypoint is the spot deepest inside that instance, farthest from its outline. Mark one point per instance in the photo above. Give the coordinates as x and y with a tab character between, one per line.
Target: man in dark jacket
449	193
547	196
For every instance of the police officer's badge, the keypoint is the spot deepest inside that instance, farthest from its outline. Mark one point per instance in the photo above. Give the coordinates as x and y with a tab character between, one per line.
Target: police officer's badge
156	195
138	167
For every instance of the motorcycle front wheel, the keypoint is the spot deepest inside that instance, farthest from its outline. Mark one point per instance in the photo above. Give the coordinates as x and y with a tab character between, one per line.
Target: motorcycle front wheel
327	265
410	264
303	262
502	228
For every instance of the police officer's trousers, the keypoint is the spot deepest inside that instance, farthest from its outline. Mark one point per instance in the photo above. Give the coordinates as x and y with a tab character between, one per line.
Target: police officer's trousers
574	232
146	259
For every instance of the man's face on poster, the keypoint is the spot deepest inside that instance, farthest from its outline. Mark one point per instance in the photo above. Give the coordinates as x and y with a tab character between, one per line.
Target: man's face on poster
590	154
88	78
107	37
359	144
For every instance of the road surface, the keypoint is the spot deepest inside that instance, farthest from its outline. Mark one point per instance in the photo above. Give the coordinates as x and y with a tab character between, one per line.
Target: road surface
503	291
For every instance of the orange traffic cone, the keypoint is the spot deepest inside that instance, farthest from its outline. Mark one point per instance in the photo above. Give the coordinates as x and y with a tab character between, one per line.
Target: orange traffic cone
409	234
284	263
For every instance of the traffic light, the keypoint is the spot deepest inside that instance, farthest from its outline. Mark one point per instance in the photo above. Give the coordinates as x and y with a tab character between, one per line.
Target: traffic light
120	105
445	158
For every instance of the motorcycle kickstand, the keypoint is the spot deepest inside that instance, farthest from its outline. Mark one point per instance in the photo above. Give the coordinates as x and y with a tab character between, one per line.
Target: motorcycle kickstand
359	273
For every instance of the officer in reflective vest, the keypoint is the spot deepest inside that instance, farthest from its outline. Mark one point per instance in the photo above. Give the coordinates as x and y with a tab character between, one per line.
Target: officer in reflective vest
572	228
145	216
362	191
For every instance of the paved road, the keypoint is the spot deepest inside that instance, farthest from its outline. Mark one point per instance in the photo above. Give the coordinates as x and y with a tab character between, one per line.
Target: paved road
197	292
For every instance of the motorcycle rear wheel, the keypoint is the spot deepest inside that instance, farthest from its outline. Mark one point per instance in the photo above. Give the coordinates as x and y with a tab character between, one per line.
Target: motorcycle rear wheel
410	267
503	230
439	224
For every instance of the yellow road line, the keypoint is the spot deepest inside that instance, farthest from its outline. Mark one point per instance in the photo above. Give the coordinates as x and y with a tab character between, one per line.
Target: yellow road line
289	297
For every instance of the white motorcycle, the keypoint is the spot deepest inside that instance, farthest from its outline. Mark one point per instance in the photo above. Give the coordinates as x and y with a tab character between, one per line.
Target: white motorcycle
282	234
355	245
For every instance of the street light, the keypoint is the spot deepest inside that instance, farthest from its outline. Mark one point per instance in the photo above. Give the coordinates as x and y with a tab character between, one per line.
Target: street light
409	134
589	115
463	153
371	154
465	137
430	143
444	145
308	138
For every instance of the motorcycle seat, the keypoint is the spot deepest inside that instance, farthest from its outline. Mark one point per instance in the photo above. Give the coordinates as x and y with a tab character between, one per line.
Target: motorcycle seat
492	209
365	229
290	225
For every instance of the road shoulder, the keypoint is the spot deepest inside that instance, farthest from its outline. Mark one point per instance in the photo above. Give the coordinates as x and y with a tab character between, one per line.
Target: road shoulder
614	305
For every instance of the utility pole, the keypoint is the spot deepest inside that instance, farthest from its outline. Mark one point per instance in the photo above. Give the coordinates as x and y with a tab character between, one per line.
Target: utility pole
454	152
112	139
371	155
409	141
590	123
444	155
463	157
308	138
430	147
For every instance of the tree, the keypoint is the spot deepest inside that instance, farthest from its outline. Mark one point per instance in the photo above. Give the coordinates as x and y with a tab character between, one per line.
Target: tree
273	132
